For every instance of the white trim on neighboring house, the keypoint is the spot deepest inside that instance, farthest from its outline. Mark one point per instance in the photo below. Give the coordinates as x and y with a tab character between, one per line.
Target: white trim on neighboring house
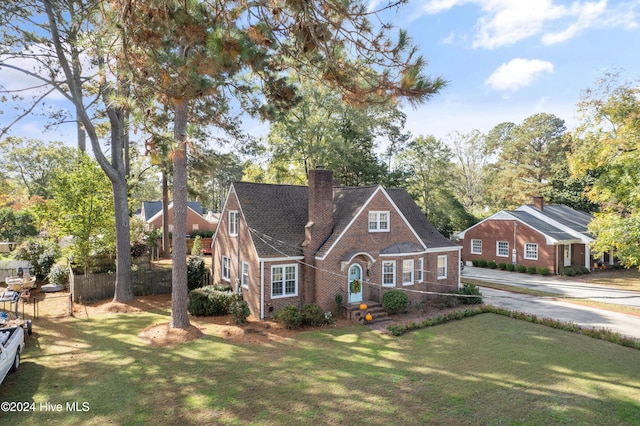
364	210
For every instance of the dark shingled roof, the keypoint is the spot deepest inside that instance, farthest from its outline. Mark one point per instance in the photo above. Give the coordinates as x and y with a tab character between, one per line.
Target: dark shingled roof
277	215
152	208
576	220
542	226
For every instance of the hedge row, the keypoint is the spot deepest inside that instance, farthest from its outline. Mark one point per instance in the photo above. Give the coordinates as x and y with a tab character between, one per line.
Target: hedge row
481	263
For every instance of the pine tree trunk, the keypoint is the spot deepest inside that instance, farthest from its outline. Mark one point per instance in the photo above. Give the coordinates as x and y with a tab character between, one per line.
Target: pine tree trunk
179	292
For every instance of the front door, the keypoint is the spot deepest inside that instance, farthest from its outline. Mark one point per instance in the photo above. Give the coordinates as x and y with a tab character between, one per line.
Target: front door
566	255
355	288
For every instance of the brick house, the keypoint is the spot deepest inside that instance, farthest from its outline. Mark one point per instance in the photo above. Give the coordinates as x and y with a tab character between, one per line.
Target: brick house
291	245
551	236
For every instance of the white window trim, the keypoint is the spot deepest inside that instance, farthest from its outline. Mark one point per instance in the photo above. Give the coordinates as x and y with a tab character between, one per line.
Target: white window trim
525	251
284	267
393	264
228	268
377	221
245	282
443	276
420	272
410	270
233	223
498	249
472	248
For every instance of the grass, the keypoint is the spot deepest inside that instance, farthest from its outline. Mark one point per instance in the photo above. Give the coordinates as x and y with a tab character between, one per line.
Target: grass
486	369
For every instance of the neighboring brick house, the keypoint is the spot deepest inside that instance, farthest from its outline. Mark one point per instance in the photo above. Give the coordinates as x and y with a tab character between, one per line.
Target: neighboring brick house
291	245
151	214
551	236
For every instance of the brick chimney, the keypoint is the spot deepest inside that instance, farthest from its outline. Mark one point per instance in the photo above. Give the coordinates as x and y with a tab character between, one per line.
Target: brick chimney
538	203
319	225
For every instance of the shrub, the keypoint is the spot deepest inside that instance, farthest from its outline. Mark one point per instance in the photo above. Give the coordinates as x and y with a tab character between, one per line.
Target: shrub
312	315
59	275
138	248
239	310
222	287
521	268
338	300
492	264
289	316
511	267
40	253
502	266
196	247
532	269
584	270
395	301
207	301
482	263
475	262
569	272
543	271
195	272
470	289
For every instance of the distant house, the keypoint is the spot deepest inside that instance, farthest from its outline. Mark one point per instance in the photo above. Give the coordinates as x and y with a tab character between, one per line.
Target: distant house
151	214
551	236
291	245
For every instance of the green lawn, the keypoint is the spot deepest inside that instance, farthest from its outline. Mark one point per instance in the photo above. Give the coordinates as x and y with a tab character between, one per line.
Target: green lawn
484	370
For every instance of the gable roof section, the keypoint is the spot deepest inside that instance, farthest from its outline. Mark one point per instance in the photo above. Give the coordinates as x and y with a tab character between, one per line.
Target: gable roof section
152	209
276	216
551	233
573	221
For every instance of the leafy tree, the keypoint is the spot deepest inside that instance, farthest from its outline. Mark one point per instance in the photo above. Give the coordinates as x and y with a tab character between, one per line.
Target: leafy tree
47	40
83	208
210	175
469	162
34	163
525	156
570	190
15	226
194	57
607	149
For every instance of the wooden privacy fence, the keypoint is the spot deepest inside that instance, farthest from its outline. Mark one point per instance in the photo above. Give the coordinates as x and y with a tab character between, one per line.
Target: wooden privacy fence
94	287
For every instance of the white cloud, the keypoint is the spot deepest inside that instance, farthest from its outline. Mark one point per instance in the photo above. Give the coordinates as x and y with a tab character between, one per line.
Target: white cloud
517	73
506	22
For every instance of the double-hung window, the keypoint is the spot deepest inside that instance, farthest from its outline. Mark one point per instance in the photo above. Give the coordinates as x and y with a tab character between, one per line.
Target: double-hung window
407	272
420	271
476	246
531	251
502	248
226	268
233	223
284	281
389	273
378	221
245	274
442	267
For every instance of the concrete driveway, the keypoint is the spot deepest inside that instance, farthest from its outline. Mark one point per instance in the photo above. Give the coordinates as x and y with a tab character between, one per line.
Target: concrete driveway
543	307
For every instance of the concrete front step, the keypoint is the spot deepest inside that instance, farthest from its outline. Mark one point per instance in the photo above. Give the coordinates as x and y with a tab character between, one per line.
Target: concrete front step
378	313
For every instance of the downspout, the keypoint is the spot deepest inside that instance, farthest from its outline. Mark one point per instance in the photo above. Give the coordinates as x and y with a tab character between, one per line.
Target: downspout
557	259
459	267
262	289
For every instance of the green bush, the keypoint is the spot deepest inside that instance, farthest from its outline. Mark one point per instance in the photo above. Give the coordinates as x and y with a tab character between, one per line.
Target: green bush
543	271
196	247
338	300
475	262
312	315
502	266
482	263
492	264
40	253
207	301
470	289
59	275
532	270
239	310
511	267
289	316
395	301
584	270
522	268
569	272
195	272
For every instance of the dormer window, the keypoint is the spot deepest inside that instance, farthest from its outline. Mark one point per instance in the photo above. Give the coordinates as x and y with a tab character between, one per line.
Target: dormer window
378	221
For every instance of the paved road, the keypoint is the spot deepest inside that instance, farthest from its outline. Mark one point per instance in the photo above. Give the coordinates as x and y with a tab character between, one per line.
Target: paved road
585	316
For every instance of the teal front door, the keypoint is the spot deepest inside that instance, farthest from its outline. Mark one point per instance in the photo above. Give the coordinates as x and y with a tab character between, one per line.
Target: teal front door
355	290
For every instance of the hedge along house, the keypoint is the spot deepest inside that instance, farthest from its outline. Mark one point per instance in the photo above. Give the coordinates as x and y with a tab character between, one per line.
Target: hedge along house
292	245
551	236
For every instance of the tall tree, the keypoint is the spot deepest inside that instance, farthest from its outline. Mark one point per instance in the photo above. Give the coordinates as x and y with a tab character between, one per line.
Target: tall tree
469	159
190	54
525	156
607	148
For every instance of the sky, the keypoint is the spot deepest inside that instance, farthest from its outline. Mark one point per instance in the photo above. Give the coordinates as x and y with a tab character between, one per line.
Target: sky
505	60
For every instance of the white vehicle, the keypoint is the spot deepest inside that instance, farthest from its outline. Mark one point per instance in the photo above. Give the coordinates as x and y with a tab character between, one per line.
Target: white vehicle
11	346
